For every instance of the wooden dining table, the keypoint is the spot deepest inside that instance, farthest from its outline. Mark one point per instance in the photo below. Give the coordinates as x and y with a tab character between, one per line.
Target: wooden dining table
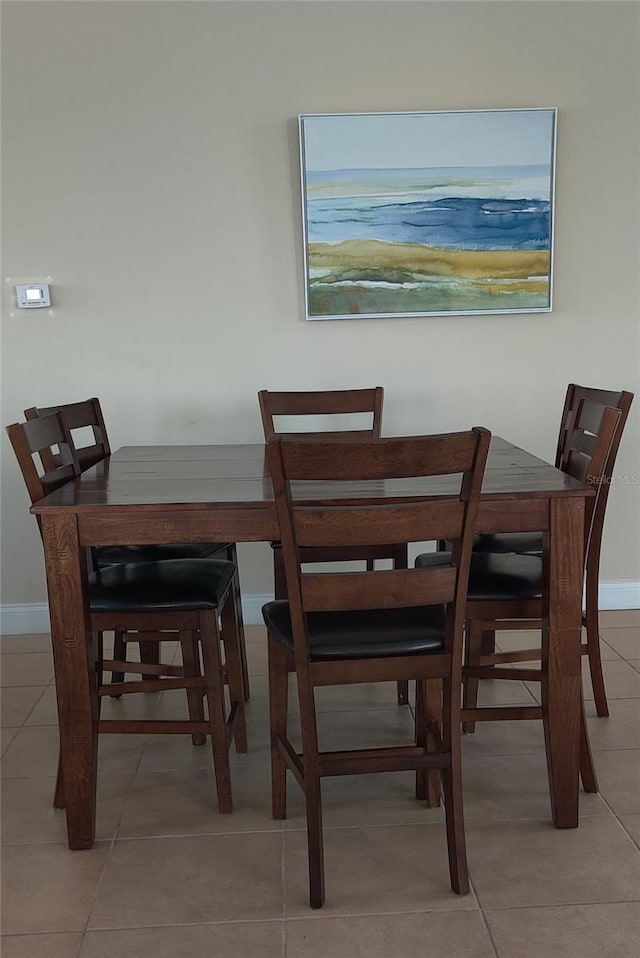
203	493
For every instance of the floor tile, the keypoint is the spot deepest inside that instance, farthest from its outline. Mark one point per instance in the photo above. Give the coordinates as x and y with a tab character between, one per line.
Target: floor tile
573	931
40	642
183	802
62	903
166	752
361	729
620	730
632	825
620	618
232	940
121	754
621	680
44	946
257	656
28	814
401	868
46	709
504	738
517	864
513	787
432	935
23	669
337	698
508	640
17	703
624	641
7	736
379	799
618	773
190	880
33	752
504	692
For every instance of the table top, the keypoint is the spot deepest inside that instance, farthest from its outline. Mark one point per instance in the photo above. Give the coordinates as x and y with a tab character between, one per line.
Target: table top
222	476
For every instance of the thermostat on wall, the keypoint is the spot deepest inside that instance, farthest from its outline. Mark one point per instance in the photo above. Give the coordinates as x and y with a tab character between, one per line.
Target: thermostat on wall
33	295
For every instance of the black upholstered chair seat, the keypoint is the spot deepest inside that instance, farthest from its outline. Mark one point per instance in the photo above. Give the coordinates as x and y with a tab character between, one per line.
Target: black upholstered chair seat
523	543
112	555
362	634
499	576
173	584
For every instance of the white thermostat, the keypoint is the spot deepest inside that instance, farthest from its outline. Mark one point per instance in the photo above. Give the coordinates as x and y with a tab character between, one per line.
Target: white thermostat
33	295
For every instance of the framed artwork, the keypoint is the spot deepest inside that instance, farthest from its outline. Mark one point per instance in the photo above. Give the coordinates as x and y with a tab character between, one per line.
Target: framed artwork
427	214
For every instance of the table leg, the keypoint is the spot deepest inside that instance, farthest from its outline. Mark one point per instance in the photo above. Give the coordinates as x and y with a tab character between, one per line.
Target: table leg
74	673
561	630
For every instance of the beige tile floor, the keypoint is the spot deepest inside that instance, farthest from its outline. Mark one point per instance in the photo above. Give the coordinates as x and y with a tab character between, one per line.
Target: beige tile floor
169	876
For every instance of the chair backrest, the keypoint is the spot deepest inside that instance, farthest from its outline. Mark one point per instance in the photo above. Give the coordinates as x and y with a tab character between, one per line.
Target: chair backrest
45	438
600	398
327	403
585	421
338	493
78	415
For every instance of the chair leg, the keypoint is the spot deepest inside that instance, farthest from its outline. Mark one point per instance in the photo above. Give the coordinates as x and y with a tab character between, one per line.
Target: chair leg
210	640
433	711
314	838
421	737
191	668
279	578
488	644
233	665
312	792
587	769
149	655
428	714
593	646
452	790
58	795
403	693
119	653
472	653
232	556
278	695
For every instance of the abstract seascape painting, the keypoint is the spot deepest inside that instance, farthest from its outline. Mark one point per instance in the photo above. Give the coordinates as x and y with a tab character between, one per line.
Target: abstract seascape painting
427	214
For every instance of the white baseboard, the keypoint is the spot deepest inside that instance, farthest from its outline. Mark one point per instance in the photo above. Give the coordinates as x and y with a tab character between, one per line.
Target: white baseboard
34	618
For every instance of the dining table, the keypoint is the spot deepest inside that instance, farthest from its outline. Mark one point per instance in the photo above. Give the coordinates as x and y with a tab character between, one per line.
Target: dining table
151	494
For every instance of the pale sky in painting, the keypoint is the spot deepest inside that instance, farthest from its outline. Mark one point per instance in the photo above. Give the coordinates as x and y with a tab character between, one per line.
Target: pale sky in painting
422	140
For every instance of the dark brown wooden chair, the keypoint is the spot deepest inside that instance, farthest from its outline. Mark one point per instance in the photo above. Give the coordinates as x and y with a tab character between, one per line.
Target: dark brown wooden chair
506	590
151	602
85	419
339	412
375	625
530	543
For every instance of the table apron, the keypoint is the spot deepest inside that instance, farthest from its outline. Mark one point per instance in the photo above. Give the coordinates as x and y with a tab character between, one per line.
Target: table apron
202	525
513	515
244	524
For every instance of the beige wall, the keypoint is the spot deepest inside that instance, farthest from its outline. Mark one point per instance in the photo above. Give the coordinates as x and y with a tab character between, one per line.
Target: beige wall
150	168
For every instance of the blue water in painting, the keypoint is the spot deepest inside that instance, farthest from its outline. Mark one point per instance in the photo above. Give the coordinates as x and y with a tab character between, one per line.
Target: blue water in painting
461	209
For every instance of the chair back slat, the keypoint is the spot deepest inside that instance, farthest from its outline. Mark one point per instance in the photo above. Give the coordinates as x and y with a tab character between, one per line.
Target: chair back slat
318	459
325	464
380	589
375	524
83	415
327	403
